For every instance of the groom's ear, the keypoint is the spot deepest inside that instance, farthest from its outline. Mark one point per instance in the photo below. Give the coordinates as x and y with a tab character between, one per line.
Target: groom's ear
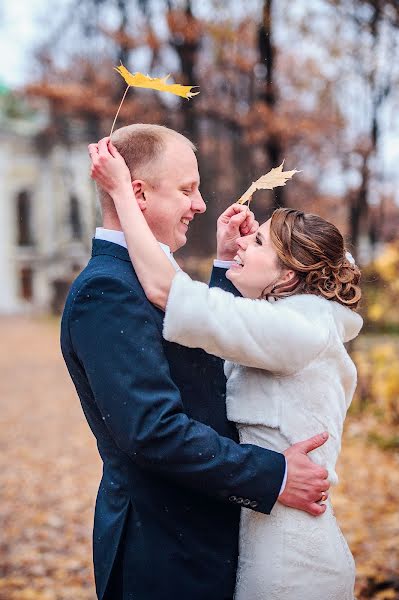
138	189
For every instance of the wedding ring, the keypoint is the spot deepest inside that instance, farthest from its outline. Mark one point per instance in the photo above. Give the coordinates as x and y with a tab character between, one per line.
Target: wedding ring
323	497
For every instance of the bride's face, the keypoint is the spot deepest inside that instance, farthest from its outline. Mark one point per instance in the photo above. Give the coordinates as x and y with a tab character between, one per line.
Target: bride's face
256	266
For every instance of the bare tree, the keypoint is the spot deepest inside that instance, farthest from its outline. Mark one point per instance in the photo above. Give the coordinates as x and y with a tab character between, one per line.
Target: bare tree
375	32
269	95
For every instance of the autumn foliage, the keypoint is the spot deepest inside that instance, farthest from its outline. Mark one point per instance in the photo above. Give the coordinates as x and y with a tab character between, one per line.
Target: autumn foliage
49	472
313	86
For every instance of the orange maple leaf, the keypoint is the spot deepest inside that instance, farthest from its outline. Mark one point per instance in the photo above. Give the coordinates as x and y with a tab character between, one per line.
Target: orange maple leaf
152	83
155	83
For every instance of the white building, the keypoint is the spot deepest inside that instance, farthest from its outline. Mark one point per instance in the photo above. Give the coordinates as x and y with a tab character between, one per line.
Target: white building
48	215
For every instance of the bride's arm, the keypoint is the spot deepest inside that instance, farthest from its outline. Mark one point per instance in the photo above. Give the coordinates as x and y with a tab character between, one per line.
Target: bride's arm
281	337
152	267
250	332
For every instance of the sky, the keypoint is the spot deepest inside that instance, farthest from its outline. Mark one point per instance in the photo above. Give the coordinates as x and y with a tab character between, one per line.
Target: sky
20	22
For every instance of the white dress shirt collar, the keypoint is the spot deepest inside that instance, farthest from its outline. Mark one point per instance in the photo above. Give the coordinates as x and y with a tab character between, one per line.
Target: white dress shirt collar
118	237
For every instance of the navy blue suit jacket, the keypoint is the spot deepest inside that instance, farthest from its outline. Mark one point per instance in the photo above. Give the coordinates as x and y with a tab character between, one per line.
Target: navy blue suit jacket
174	476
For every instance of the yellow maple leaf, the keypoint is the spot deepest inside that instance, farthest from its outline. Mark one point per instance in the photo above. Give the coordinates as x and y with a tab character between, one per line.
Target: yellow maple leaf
274	178
155	83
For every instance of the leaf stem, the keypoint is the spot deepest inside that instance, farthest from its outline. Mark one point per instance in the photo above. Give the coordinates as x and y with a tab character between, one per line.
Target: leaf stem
117	113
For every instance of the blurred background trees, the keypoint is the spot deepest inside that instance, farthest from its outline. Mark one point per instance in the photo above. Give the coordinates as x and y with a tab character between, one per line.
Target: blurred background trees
314	85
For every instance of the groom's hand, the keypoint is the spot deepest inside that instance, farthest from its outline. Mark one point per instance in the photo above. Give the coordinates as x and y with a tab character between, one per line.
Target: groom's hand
306	481
235	222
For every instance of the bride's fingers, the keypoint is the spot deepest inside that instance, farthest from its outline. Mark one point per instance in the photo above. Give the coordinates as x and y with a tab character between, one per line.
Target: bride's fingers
112	149
235	223
232	211
250	225
246	229
254	228
103	146
93	151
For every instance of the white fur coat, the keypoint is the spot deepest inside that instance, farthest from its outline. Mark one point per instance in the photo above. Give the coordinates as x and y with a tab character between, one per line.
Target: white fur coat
286	363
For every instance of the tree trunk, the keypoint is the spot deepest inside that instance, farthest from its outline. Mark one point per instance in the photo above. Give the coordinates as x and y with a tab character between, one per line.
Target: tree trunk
273	147
359	204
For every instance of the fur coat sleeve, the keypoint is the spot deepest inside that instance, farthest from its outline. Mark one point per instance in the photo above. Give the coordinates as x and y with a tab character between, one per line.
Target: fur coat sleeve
279	337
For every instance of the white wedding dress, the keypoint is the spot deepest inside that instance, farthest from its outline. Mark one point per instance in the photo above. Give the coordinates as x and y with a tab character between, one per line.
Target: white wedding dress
290	555
289	377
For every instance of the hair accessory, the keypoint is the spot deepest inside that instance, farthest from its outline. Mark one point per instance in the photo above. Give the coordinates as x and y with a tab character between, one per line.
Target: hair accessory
350	258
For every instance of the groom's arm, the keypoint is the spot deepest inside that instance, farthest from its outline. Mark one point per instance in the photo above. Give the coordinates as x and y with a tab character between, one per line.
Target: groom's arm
119	345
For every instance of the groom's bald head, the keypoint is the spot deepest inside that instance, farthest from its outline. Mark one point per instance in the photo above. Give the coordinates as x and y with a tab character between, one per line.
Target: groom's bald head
142	146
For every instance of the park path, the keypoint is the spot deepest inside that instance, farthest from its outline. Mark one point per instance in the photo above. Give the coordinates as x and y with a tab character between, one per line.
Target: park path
49	472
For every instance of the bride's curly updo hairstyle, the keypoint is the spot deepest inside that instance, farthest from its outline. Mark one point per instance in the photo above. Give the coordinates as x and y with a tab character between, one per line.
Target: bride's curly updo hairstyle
315	250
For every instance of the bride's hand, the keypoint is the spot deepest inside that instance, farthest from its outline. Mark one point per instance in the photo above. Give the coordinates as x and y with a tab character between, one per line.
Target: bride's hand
235	222
108	167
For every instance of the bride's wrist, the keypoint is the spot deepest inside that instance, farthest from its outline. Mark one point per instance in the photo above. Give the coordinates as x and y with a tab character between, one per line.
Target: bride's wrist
123	195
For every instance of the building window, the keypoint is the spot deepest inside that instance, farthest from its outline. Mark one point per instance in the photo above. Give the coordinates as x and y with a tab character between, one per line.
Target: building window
26	283
24	219
74	218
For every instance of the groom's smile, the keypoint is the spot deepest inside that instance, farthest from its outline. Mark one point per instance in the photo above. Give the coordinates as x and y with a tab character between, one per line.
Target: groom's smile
174	201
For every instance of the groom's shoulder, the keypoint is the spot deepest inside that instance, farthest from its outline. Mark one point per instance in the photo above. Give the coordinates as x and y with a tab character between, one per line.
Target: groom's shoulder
106	277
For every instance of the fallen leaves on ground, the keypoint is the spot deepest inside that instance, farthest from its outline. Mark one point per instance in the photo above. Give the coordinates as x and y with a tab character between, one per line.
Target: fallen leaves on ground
49	472
367	507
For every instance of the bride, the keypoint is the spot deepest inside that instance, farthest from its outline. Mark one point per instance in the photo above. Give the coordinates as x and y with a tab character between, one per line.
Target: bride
289	375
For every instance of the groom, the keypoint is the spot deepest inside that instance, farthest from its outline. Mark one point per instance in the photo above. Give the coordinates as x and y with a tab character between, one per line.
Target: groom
174	476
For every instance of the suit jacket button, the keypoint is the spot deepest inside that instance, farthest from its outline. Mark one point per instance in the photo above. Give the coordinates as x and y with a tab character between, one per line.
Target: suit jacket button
240	500
253	504
233	498
246	502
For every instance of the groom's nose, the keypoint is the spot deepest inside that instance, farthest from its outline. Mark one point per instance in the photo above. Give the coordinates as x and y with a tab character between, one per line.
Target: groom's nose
197	204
